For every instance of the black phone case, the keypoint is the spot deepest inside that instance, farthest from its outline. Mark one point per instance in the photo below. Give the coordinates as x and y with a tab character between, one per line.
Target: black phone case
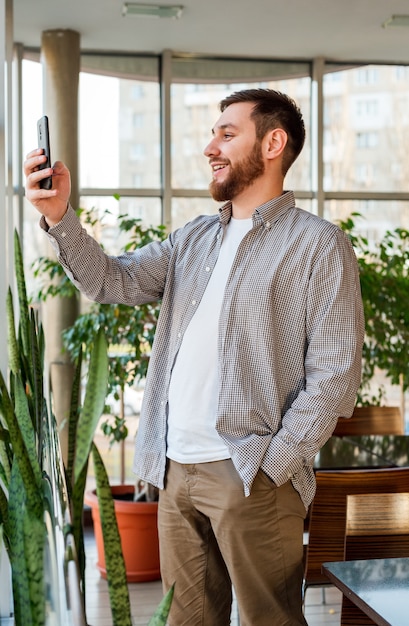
44	142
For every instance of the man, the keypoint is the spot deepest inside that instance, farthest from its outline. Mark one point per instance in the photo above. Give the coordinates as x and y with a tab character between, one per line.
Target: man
257	353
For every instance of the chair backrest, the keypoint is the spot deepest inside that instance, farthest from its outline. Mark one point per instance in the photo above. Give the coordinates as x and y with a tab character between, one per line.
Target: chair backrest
327	523
377	526
371	420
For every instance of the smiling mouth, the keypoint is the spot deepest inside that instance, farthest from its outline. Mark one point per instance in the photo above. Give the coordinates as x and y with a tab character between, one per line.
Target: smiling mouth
217	167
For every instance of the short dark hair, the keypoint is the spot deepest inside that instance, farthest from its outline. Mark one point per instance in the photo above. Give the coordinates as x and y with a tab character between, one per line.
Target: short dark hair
273	109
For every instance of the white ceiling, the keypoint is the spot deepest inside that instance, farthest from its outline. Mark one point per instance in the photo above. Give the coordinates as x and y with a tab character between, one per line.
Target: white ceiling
345	30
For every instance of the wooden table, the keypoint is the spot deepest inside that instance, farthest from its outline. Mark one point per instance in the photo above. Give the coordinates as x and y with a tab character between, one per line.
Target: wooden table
379	587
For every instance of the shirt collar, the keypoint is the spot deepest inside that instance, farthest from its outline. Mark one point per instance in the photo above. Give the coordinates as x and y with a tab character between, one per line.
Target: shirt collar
266	213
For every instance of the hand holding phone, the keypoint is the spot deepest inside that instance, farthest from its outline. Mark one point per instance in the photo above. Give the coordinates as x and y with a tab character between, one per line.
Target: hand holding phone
44	142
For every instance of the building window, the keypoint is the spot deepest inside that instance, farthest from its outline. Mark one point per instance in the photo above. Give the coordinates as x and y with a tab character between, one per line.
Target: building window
137	152
367	140
365	108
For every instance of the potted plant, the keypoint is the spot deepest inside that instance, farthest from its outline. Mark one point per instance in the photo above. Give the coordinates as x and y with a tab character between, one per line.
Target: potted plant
129	332
41	502
36	509
384	277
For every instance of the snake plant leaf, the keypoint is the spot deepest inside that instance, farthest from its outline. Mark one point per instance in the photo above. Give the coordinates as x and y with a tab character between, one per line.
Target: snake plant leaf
77	511
4	474
34	541
25	458
20	583
114	560
4	519
73	420
160	617
6	454
26	429
22	296
94	402
37	378
13	352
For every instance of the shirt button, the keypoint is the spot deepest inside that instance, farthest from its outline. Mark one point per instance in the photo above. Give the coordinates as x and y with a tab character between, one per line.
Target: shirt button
63	235
268	224
207	269
179	335
194	302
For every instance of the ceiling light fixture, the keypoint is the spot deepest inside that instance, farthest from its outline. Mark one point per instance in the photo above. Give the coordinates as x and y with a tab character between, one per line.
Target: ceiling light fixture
152	10
396	20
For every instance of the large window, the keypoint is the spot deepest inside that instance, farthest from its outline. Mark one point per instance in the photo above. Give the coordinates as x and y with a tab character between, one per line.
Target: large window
354	159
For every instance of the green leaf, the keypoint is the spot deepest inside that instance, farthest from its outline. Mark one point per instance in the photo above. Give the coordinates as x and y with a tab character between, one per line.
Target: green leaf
159	618
34	540
94	402
13	351
37	367
28	459
22	296
20	582
21	434
73	420
4	519
77	506
6	455
114	560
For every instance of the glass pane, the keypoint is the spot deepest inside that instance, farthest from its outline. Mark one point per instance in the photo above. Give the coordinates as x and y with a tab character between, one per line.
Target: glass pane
32	103
376	216
194	112
108	208
306	204
119	132
186	209
366	129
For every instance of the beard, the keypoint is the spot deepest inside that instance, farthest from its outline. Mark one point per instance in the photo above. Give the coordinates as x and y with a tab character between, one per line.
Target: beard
241	176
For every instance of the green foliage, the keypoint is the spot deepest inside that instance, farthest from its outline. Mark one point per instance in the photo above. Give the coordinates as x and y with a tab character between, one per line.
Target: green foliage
22	421
31	480
159	618
384	277
59	285
116	573
93	402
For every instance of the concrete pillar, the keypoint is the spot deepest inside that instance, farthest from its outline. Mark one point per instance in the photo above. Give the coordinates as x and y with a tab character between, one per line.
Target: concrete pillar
60	55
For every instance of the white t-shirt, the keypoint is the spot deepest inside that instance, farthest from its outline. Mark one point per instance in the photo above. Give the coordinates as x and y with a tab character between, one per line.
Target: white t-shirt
194	386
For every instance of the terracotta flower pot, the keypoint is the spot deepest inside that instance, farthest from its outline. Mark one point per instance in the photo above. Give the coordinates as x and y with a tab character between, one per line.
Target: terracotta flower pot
137	523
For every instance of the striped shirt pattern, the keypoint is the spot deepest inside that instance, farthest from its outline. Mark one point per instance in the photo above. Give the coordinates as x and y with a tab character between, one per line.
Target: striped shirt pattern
290	337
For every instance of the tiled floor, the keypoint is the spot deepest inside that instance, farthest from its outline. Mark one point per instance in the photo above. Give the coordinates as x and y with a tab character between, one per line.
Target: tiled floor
146	596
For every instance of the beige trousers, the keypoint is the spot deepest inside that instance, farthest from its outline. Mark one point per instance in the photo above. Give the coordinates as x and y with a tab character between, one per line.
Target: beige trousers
213	537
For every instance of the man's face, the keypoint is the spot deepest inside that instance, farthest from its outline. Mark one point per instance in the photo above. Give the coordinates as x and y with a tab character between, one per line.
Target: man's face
234	153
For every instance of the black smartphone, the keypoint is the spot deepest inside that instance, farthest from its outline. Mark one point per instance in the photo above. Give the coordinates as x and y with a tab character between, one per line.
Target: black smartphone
44	142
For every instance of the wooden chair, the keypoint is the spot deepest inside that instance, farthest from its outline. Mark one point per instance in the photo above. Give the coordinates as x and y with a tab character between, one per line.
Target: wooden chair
328	512
377	526
371	420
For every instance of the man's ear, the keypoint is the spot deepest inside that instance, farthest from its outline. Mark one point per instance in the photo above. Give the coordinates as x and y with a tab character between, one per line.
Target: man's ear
275	142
